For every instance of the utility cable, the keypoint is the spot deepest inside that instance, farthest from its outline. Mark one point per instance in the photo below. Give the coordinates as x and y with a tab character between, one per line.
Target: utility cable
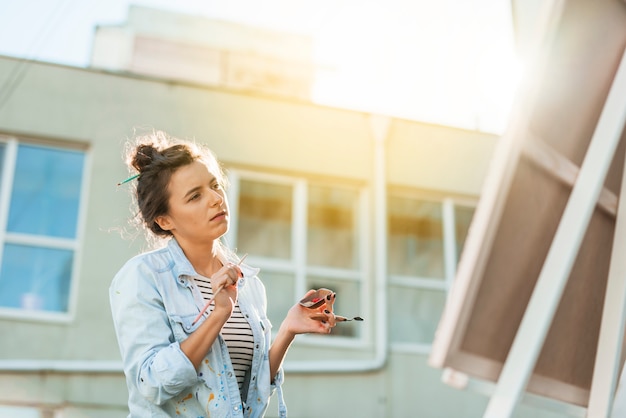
19	70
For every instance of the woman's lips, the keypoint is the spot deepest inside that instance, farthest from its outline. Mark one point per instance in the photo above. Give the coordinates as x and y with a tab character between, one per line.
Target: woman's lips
221	214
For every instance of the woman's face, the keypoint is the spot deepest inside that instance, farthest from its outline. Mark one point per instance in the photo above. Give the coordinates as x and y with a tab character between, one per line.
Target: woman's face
198	210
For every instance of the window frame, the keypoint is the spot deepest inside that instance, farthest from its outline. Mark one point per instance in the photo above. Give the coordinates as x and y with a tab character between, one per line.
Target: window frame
75	245
297	264
448	205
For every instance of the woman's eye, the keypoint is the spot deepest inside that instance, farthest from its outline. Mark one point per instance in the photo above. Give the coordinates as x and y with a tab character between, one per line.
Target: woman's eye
194	196
217	186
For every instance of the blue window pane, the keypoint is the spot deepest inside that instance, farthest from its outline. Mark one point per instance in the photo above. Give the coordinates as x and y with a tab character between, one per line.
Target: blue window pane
46	191
35	278
2	162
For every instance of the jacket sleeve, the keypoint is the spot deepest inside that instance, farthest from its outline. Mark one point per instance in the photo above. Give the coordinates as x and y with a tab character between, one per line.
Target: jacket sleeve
153	360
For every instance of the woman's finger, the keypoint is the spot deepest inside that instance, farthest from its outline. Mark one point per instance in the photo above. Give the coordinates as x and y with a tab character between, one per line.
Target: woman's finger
316	298
319	317
326	317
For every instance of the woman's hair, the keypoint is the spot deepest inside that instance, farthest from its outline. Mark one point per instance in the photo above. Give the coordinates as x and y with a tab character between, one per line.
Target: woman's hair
155	157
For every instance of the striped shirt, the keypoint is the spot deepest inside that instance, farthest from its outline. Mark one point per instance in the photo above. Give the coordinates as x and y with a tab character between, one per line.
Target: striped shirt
236	333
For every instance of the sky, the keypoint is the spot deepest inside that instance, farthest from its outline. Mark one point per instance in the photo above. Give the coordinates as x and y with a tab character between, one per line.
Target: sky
449	62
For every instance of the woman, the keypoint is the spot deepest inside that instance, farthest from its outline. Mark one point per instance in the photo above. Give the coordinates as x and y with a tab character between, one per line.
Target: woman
177	362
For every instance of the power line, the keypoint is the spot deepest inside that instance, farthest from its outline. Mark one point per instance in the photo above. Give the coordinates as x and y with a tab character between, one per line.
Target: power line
19	70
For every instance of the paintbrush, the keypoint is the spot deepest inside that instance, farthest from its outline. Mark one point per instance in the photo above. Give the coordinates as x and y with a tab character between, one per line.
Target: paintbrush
338	318
219	289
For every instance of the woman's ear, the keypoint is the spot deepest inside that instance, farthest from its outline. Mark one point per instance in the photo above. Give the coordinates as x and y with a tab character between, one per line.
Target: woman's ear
164	222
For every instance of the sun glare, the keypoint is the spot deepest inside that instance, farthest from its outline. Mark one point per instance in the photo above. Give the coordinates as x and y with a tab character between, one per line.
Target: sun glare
445	62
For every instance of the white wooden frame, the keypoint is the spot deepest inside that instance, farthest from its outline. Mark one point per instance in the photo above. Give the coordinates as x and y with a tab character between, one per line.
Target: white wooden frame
587	194
557	266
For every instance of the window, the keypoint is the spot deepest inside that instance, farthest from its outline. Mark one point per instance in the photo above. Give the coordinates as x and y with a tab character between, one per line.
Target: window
425	241
40	190
303	234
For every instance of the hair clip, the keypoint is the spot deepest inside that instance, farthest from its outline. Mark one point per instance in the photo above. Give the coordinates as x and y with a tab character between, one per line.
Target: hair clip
131	178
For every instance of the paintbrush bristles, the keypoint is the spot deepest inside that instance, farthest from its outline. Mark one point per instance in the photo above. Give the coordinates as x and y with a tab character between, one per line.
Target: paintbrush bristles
339	318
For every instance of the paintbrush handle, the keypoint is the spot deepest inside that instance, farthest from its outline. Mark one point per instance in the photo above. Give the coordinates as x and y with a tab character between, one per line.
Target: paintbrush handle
206	306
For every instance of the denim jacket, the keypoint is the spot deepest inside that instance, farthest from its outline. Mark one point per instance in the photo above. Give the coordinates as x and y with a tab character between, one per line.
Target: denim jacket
154	303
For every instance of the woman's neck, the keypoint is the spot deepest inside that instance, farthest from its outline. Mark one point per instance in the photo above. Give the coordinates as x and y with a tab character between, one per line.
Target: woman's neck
203	258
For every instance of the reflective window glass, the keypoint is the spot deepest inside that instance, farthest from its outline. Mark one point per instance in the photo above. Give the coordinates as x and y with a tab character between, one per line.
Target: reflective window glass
43	206
463	216
347	303
264	223
2	162
415	246
414	314
35	278
278	287
331	228
46	191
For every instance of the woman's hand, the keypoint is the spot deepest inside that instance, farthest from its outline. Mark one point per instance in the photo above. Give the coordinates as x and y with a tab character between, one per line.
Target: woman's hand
301	320
224	285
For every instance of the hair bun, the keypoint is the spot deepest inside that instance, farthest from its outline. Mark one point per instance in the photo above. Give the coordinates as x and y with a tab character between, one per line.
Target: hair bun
145	155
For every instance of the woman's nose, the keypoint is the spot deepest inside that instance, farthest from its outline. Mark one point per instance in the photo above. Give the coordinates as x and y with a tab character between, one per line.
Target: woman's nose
215	197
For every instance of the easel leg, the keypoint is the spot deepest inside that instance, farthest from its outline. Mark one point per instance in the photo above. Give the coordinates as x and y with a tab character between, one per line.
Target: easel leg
618	408
608	356
558	264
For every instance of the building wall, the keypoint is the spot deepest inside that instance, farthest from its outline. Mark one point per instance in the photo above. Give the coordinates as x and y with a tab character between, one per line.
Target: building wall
207	51
73	366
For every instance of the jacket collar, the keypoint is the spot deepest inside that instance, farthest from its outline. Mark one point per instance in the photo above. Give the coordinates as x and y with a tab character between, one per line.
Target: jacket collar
182	266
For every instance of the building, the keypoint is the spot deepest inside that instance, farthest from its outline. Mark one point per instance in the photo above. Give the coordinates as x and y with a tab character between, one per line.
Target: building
395	198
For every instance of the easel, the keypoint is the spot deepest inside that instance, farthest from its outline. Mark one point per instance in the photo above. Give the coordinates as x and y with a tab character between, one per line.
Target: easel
548	290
